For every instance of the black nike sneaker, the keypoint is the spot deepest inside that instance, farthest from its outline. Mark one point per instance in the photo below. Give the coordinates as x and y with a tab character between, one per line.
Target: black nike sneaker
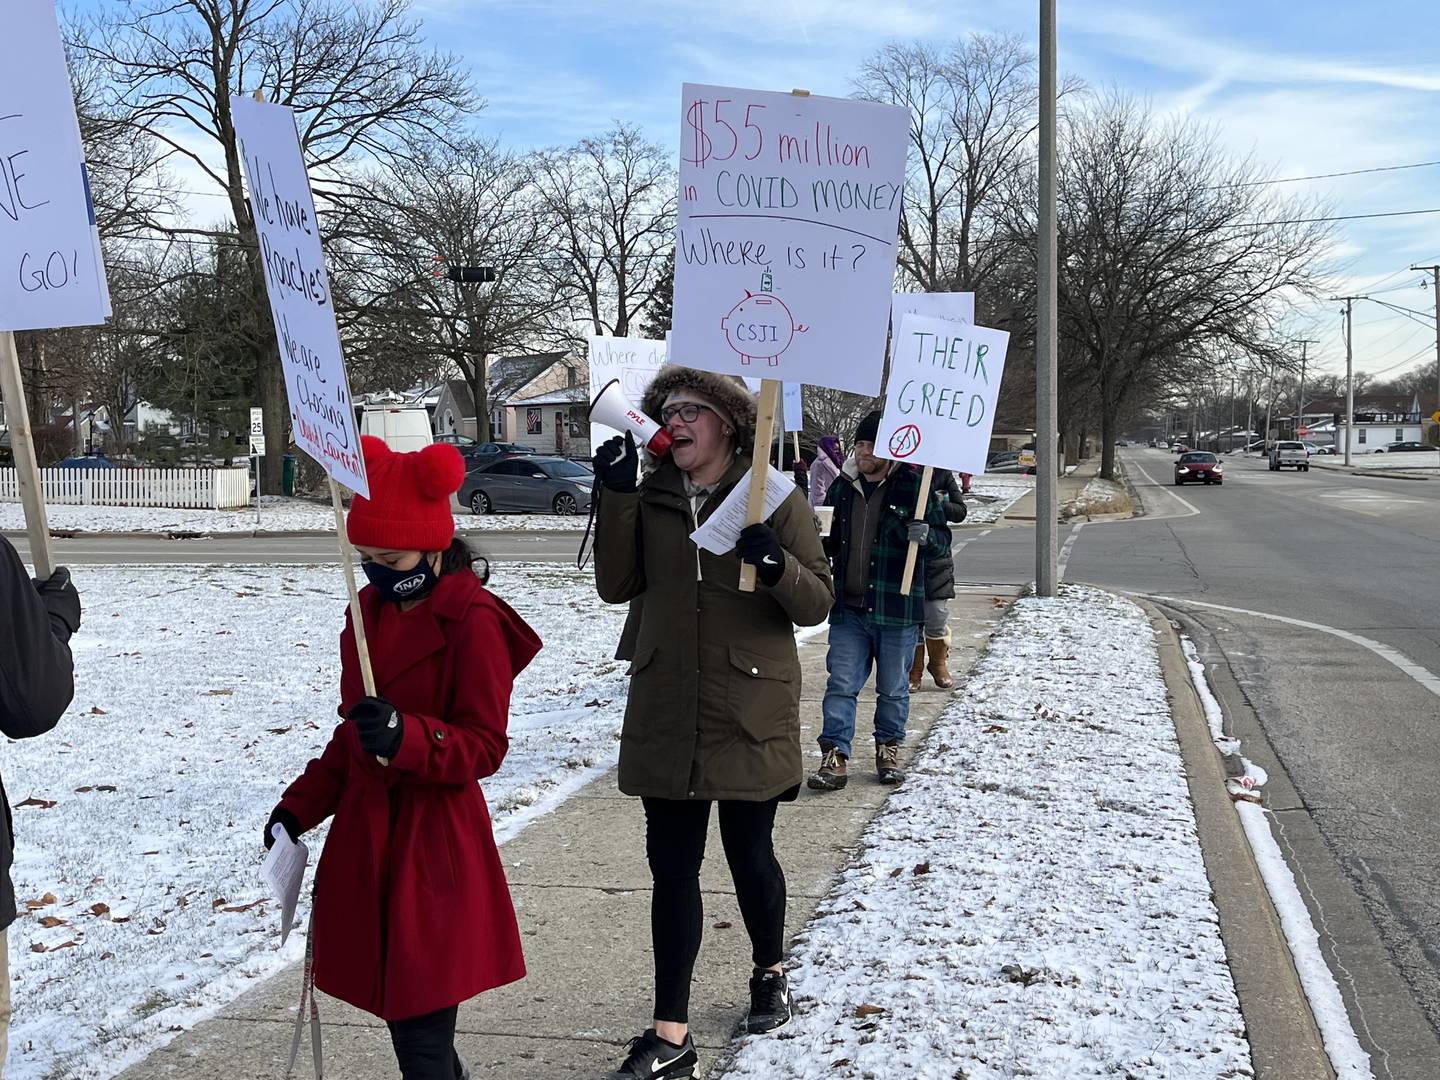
652	1058
769	1001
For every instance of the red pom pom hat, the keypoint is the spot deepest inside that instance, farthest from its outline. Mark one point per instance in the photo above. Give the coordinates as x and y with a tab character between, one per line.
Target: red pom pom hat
409	504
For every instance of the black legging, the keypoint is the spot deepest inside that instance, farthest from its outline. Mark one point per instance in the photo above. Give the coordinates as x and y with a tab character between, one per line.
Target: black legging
675	846
425	1046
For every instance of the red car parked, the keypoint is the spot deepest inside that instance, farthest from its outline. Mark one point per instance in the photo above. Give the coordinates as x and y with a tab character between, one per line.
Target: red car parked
1199	466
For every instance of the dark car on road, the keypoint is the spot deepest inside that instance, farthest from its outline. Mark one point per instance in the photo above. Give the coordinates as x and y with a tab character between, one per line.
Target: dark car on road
527	483
1405	448
1199	466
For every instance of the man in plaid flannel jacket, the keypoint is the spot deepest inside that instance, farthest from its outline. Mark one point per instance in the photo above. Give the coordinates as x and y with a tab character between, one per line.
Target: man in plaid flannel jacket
873	622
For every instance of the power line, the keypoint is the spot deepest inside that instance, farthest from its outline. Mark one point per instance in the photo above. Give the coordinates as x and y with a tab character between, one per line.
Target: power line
1328	176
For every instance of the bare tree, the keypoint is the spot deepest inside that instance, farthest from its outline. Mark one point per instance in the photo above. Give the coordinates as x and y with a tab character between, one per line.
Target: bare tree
611	199
469	205
362	82
972	117
1170	250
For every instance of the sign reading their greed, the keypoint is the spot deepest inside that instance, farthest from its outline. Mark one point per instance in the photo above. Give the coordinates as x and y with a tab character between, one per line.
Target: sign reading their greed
785	238
299	290
940	402
51	273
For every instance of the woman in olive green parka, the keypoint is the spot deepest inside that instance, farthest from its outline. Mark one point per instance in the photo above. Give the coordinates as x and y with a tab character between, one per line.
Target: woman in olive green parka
713	711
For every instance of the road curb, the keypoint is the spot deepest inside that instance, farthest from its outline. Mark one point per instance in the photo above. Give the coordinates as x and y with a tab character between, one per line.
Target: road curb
1353	470
1285	1043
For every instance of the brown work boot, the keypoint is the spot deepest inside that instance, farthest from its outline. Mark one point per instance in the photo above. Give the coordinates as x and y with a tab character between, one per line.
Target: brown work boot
939	650
887	763
917	669
831	775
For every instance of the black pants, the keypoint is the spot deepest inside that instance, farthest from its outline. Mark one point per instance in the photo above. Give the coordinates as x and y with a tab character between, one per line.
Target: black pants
425	1046
675	845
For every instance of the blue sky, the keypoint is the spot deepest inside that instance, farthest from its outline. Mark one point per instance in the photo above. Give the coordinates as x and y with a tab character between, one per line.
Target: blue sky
1307	87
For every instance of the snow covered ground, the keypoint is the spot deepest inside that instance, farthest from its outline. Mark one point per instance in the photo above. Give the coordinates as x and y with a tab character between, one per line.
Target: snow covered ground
1032	901
278	514
138	820
1000	492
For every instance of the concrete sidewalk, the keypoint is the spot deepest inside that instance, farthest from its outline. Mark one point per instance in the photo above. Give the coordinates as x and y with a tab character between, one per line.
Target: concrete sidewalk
581	888
1066	488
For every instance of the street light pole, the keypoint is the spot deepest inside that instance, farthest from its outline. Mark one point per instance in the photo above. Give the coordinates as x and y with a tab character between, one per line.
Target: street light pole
1047	417
1349	373
1435	281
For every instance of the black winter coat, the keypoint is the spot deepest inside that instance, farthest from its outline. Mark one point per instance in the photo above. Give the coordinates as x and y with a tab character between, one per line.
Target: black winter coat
940	572
37	681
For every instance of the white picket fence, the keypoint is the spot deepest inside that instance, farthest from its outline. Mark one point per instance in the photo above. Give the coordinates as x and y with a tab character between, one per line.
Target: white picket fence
179	489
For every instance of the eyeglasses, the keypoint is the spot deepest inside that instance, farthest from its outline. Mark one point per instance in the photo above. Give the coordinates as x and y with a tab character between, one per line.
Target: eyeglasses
689	412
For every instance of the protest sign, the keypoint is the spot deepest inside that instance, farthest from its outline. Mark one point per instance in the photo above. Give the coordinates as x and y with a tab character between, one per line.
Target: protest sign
940	401
299	290
790	406
953	306
634	361
785	237
51	274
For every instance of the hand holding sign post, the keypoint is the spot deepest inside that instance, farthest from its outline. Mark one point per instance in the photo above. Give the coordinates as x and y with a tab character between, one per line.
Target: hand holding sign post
940	401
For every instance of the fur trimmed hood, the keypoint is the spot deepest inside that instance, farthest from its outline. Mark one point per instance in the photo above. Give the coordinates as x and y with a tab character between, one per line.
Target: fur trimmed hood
724	390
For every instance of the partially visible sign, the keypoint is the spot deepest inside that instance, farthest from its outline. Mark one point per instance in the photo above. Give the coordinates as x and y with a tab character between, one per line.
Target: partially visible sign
299	290
1302	431
952	306
788	212
51	273
634	361
1027	459
791	403
940	400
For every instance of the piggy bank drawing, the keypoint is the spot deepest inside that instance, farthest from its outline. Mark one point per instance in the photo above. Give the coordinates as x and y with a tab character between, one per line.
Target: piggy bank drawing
760	327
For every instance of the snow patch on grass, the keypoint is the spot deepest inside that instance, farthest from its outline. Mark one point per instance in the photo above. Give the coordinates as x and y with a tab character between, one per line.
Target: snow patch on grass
1032	901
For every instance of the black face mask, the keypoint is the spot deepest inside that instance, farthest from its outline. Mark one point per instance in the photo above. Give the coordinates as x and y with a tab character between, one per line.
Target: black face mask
400	585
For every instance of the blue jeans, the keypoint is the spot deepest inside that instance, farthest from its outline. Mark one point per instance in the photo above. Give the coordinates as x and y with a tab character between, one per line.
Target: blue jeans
855	643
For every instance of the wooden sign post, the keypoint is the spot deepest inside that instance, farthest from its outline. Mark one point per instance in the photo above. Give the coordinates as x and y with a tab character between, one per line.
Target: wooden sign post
913	549
22	446
760	467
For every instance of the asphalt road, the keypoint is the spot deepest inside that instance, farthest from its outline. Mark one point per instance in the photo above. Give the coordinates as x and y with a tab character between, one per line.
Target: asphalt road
1315	603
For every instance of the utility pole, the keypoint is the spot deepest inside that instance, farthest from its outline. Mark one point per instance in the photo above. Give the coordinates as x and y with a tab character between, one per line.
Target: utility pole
1435	281
1047	416
1349	372
1304	344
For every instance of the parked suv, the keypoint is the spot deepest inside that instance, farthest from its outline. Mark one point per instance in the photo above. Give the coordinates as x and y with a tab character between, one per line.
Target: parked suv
1289	454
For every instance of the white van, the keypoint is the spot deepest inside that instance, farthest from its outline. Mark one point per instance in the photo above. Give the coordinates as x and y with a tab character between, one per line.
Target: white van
403	427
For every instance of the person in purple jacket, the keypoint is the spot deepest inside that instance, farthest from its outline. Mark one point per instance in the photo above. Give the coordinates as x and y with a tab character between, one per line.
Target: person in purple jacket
825	468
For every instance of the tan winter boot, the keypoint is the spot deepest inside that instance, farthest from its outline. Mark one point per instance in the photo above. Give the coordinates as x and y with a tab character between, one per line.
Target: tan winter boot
917	669
939	650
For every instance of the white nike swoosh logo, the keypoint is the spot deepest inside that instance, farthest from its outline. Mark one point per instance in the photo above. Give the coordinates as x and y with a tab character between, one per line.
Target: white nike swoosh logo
657	1064
769	560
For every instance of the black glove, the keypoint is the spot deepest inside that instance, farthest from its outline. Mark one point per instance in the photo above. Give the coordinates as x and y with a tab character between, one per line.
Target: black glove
61	601
617	463
760	547
379	725
281	816
917	532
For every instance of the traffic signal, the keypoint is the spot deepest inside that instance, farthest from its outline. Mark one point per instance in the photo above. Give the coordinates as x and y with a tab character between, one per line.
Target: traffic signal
478	274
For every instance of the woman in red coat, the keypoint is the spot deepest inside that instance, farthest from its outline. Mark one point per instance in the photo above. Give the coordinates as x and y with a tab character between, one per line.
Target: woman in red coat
412	910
